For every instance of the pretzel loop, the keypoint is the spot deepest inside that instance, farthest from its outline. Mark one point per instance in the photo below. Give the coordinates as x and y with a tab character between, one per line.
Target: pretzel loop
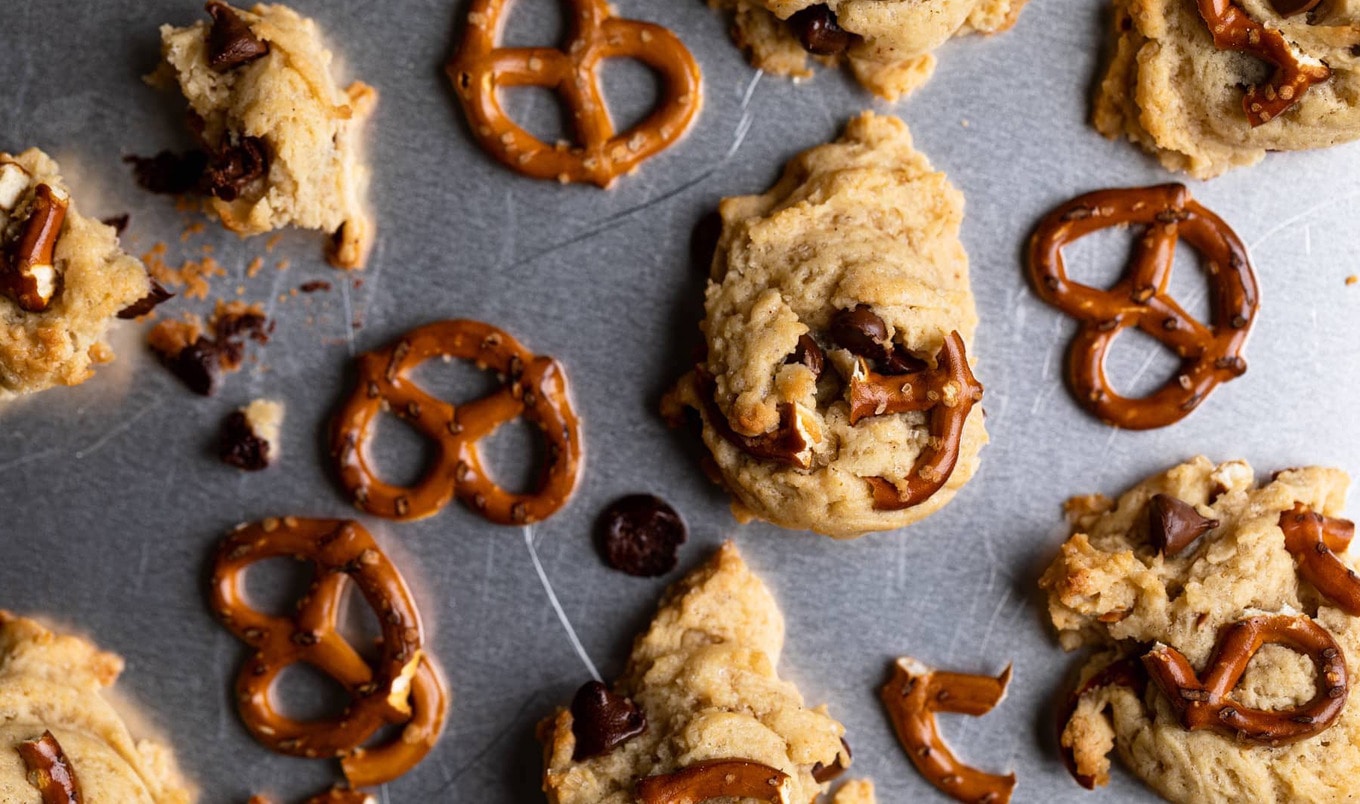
1209	704
1314	540
533	387
1209	355
481	67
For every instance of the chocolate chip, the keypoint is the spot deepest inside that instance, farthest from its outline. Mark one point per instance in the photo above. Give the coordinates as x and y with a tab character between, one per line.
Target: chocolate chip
1290	8
900	361
238	444
860	331
231	43
1174	525
235	167
602	720
147	303
808	353
819	32
169	173
825	773
197	365
641	535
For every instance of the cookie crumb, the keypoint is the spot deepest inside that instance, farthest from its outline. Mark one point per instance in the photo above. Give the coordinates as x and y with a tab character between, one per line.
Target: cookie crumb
1352	279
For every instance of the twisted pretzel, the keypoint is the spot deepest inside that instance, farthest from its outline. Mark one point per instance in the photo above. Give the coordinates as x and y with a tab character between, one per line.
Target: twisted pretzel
717	778
50	770
912	697
1294	72
480	68
1209	704
533	387
399	687
1209	354
1314	540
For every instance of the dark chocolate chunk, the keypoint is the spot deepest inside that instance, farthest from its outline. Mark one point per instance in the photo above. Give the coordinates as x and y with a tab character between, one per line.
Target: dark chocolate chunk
862	332
147	303
198	366
900	361
169	173
1174	525
602	720
1290	8
825	773
235	167
231	43
641	535
240	446
819	32
809	354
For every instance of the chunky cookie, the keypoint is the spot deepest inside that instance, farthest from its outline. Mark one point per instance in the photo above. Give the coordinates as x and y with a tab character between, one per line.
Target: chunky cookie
1212	85
281	139
53	714
1222	651
888	44
699	711
837	393
63	280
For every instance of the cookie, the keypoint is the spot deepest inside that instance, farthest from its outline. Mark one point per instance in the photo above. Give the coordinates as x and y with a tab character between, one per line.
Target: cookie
281	138
888	44
703	679
1199	108
1185	563
64	279
833	298
54	684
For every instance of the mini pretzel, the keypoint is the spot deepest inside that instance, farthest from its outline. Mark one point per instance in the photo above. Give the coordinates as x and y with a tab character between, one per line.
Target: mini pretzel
533	387
399	687
1314	540
1209	704
1209	354
480	68
1294	73
912	697
720	778
1126	672
50	771
27	273
335	795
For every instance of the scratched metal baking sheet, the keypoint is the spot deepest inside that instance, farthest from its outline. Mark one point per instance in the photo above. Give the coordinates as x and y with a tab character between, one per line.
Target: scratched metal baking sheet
111	499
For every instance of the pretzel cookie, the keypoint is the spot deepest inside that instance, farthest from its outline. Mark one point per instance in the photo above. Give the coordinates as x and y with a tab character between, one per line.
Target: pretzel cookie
1210	85
889	44
699	712
1225	647
837	394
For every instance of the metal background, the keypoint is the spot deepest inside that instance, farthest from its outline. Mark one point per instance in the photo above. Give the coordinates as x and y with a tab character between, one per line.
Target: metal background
112	499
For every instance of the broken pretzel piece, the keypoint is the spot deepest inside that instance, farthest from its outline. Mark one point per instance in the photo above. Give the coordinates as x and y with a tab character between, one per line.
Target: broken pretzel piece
50	771
1314	540
720	778
27	273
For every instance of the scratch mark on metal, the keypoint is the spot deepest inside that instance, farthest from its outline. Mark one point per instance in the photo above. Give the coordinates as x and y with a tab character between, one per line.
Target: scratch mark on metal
1307	213
557	605
36	456
117	431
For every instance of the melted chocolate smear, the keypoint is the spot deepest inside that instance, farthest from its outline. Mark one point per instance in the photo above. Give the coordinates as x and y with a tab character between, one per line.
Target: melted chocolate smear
641	535
1174	525
197	365
231	43
819	32
147	303
169	173
240	446
901	361
861	332
808	353
235	167
602	720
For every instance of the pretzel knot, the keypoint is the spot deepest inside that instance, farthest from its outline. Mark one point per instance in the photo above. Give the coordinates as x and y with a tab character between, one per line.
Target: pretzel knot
1314	540
1294	72
480	68
912	697
1209	354
399	687
1209	704
533	387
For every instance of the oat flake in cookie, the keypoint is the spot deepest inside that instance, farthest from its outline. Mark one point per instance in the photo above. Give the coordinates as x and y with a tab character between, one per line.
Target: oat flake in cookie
1289	729
63	280
281	138
1172	90
889	44
716	712
837	393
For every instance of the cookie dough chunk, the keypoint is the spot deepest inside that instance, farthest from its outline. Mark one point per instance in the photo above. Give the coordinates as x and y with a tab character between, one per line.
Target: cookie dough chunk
703	676
888	44
1170	90
57	309
282	139
52	683
1149	569
855	251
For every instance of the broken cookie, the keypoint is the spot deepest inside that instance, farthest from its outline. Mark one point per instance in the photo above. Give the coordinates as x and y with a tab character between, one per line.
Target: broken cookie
199	355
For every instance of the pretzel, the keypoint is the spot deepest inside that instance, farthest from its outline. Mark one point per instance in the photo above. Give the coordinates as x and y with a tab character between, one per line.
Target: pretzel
1209	704
399	687
1126	672
27	273
1209	354
718	778
1314	540
533	387
335	795
480	68
50	770
1294	72
912	697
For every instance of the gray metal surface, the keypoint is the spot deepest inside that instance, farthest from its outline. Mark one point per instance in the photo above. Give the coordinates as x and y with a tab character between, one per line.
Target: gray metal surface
112	500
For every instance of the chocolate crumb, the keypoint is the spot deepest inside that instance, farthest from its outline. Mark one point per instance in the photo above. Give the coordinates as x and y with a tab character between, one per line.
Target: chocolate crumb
231	43
169	173
602	720
641	535
235	167
157	295
314	286
240	446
